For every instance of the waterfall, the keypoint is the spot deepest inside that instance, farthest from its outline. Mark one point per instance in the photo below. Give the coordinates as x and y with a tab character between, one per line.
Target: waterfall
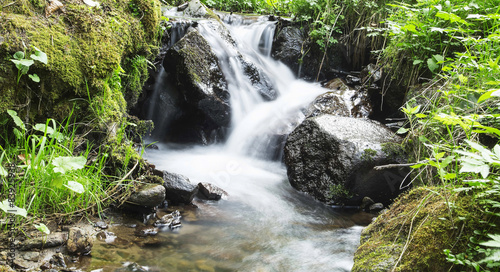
264	225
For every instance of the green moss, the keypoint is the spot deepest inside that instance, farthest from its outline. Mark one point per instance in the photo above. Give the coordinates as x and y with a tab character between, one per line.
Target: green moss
368	154
423	222
84	46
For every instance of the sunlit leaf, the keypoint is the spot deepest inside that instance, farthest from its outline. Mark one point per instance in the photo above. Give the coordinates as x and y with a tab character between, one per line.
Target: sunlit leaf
3	172
495	242
64	164
75	187
13	209
19	55
402	130
39	55
23	62
42	227
16	119
34	77
432	65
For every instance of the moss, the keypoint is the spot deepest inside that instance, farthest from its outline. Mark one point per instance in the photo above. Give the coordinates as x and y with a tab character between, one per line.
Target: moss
423	222
368	154
84	46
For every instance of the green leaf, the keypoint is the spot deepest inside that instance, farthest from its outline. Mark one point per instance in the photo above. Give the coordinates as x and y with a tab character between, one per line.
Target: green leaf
64	164
75	187
488	94
431	63
34	77
42	228
3	172
402	130
39	55
438	58
23	62
16	119
495	242
417	62
19	55
13	209
43	128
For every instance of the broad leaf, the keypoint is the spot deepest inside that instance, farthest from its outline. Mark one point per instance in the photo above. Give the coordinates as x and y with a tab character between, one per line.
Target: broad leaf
40	56
431	63
43	128
75	187
3	172
43	228
19	55
23	62
495	242
16	119
34	77
13	209
64	164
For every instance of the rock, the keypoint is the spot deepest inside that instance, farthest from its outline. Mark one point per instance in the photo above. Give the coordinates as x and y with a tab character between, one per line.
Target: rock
332	159
101	225
132	267
198	90
366	203
31	256
342	101
57	260
179	190
287	46
171	220
54	239
79	242
148	195
144	231
210	191
195	9
376	207
258	79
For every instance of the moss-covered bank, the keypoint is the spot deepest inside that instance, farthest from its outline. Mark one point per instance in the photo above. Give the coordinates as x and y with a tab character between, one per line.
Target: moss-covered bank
95	54
412	234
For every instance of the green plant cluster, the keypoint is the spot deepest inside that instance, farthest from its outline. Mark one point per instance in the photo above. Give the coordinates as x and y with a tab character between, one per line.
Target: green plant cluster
452	131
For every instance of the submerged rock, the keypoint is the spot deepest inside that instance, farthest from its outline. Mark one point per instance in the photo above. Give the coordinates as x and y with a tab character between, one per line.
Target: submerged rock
179	189
332	159
171	220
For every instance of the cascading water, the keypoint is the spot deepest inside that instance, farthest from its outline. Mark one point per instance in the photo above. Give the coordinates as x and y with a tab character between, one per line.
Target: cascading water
264	225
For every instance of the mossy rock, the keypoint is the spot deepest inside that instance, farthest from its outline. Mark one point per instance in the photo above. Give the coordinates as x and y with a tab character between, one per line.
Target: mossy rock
89	50
413	233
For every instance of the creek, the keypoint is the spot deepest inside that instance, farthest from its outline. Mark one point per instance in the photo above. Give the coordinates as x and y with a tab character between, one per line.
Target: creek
264	224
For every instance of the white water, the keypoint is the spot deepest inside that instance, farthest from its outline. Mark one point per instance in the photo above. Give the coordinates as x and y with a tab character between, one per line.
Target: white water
264	222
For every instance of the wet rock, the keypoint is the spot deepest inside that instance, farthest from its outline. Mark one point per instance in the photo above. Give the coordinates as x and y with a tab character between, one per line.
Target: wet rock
57	260
31	256
148	195
79	242
101	225
287	46
332	159
195	9
179	190
171	220
366	203
210	191
132	267
376	207
259	80
144	231
199	89
342	101
54	239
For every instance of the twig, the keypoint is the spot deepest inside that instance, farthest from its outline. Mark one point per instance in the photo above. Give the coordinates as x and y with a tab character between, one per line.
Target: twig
388	166
9	4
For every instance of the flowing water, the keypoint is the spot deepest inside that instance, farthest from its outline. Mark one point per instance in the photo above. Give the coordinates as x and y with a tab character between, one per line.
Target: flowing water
264	224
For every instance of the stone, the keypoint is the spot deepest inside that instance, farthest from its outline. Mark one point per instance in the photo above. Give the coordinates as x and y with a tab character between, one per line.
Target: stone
171	220
79	242
287	46
210	191
57	260
54	239
31	256
144	231
332	158
195	9
366	203
342	101
179	190
197	90
148	195
376	207
101	225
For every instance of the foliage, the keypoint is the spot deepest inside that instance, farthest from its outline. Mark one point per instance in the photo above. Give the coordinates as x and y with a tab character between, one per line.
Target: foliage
23	64
452	123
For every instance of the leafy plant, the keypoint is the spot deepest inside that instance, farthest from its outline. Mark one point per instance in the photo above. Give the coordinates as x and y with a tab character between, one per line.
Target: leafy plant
23	64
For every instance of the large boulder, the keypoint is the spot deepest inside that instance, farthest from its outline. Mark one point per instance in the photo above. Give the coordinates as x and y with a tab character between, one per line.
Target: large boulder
198	88
179	189
332	158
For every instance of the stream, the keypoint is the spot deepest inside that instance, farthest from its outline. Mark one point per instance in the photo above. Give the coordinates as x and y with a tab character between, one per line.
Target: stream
264	224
